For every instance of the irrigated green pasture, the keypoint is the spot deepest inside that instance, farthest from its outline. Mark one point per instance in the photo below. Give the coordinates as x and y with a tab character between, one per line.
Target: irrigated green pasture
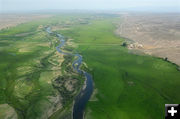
127	86
32	85
36	81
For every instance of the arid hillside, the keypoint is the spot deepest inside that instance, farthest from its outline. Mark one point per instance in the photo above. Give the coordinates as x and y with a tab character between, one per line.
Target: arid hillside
9	20
154	34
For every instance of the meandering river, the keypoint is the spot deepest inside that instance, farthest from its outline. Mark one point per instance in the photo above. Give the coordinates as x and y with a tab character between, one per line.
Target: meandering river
85	93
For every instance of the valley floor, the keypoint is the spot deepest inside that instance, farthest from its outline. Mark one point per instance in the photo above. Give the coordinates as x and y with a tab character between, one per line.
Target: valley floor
37	82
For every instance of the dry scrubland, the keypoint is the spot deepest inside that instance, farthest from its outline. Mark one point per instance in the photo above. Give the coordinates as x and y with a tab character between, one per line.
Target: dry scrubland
10	20
155	34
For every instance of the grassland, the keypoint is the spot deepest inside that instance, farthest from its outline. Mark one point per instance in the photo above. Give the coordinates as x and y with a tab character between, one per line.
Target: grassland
127	85
35	79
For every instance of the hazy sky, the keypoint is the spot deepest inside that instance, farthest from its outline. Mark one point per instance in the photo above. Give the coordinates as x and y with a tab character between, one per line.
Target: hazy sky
26	5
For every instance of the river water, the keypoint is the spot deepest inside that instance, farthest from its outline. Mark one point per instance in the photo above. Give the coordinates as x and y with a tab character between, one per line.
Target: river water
85	93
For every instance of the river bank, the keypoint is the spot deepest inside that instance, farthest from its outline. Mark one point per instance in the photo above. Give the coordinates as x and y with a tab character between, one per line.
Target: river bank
85	93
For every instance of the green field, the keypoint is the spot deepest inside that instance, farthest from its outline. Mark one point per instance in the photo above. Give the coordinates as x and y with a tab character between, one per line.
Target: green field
32	72
126	85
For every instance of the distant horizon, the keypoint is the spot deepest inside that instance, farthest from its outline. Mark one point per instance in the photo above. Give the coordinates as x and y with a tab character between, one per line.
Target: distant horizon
7	6
132	10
